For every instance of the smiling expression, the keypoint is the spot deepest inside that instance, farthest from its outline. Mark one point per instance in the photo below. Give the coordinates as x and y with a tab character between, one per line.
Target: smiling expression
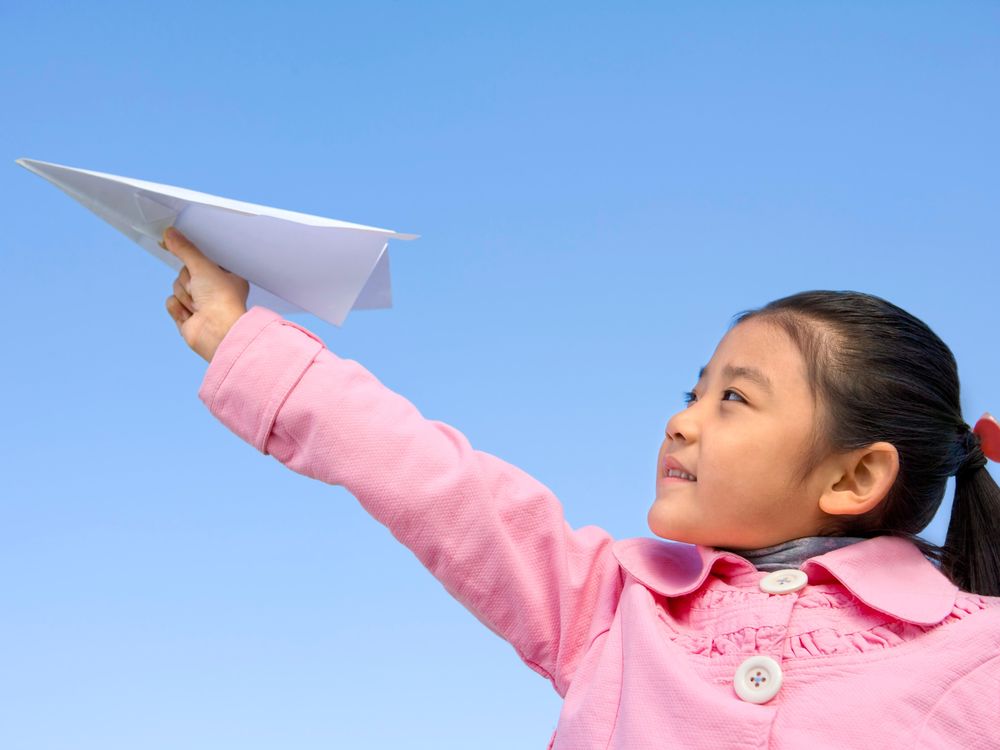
743	435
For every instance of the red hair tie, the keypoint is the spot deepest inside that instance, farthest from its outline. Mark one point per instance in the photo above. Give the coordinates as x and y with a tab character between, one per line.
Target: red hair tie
988	430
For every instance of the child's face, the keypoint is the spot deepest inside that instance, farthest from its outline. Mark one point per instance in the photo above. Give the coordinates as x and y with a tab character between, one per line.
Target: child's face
743	443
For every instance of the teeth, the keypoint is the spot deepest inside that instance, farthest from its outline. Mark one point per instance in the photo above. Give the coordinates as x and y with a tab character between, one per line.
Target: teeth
678	473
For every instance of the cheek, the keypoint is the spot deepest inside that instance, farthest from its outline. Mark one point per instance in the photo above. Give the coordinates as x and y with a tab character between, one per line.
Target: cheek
739	480
743	458
726	466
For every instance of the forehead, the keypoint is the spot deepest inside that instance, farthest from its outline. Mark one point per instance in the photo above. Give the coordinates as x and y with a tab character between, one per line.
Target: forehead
765	347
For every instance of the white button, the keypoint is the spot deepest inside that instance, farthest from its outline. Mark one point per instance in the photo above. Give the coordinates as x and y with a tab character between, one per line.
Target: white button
757	679
783	581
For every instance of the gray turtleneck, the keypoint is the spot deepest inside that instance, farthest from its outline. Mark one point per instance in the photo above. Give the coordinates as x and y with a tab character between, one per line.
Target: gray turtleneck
794	552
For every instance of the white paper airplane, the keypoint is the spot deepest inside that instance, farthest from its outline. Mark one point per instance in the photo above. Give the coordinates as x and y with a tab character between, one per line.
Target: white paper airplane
294	262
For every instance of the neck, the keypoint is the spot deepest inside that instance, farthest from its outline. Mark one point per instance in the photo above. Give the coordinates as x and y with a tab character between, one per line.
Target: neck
792	553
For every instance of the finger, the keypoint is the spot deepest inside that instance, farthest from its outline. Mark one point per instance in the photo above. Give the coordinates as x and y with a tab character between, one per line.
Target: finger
184	280
183	248
183	295
177	311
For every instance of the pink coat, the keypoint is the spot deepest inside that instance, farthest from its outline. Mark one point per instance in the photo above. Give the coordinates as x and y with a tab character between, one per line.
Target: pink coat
651	644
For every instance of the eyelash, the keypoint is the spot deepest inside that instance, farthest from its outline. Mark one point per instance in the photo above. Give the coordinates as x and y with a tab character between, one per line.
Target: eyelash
689	396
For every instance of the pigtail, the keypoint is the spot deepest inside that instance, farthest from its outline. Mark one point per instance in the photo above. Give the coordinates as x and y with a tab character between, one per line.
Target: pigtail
971	553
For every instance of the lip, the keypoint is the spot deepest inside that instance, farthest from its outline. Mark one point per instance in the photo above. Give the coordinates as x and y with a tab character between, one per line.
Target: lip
672	463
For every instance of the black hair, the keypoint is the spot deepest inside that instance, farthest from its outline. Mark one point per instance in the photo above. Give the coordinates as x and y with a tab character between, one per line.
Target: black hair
877	373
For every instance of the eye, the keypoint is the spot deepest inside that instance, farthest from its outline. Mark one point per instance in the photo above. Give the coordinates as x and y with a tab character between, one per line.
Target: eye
689	396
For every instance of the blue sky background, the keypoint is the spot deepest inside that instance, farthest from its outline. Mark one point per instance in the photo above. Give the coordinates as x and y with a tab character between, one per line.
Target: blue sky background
598	189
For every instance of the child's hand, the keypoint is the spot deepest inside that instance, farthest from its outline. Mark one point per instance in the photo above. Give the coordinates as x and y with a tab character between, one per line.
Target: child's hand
207	299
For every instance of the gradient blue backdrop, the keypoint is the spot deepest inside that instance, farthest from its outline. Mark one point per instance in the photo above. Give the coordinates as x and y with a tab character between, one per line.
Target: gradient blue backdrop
598	189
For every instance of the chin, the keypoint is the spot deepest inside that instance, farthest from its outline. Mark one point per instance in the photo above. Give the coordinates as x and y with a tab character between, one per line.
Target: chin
671	532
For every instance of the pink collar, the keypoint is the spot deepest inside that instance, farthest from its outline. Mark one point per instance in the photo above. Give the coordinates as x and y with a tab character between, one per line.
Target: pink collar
887	573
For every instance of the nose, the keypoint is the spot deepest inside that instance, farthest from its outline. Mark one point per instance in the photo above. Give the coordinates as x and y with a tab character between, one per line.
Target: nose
681	426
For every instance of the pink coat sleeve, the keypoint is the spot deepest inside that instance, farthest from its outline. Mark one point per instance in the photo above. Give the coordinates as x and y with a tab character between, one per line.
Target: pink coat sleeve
495	537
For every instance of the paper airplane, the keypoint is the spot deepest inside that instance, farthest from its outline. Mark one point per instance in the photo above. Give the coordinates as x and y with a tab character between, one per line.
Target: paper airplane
294	262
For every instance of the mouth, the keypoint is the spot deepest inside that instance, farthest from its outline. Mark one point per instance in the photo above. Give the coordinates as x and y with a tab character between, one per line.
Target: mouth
671	478
671	472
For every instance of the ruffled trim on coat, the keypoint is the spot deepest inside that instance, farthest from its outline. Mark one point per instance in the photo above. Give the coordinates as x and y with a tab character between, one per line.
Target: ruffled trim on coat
819	642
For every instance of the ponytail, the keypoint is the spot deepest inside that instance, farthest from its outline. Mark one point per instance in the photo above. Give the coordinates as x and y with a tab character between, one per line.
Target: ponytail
971	553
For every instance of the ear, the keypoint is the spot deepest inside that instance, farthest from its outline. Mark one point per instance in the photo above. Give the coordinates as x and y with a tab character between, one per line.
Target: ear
862	480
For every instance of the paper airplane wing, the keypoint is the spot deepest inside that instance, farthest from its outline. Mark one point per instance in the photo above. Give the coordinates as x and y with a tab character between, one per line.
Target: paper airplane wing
294	262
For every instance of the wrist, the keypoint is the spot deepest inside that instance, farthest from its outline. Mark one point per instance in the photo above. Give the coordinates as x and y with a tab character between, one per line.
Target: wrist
221	326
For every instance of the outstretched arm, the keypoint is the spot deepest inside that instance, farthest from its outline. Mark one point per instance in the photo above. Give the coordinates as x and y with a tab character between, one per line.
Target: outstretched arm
495	537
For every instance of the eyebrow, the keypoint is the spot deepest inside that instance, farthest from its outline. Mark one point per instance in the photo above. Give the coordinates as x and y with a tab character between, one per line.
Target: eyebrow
742	371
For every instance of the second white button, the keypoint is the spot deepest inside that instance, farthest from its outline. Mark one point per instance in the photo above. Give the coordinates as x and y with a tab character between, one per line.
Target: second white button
757	679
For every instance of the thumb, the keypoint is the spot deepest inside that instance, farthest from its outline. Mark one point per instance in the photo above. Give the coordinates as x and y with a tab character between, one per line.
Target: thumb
183	248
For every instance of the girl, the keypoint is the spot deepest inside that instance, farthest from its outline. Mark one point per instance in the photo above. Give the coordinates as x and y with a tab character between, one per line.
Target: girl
803	612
